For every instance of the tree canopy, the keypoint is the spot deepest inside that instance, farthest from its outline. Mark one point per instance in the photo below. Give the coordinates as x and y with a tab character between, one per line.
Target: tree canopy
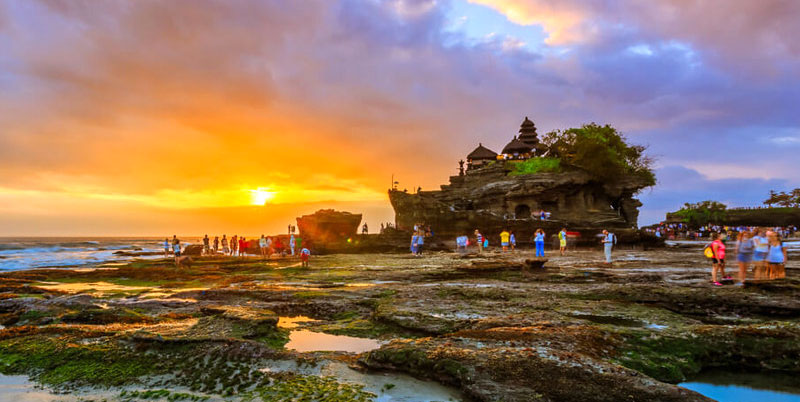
784	199
601	151
703	213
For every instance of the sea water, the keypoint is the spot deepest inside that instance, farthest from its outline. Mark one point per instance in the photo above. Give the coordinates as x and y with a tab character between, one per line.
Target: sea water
17	253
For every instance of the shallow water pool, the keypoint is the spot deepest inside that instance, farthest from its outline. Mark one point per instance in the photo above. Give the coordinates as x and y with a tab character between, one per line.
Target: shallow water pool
746	387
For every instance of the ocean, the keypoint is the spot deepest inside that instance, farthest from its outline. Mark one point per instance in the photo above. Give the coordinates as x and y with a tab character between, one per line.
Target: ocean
17	253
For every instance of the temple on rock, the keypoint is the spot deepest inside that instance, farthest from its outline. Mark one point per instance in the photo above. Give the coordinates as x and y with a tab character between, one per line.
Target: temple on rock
492	195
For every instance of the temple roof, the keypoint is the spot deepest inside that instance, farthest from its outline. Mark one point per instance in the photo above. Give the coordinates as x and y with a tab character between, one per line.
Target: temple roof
482	152
517	147
527	133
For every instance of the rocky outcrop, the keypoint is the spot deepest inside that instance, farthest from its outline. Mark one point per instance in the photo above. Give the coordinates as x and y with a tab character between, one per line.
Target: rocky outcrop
489	199
328	226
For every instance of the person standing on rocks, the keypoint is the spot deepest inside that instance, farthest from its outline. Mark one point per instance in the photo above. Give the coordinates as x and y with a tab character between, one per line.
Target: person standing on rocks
293	243
206	246
262	244
562	241
166	247
744	254
225	249
513	240
269	247
760	255
479	238
505	239
538	240
242	246
176	249
305	254
216	244
776	257
718	260
234	245
608	244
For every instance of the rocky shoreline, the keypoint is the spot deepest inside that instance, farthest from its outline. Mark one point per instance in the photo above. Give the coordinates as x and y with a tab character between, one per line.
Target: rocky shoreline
481	325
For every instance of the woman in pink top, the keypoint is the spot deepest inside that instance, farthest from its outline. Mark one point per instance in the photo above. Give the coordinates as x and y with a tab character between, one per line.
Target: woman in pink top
718	261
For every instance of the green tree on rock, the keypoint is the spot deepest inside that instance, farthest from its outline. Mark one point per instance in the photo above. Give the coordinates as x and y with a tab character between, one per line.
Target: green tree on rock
703	213
601	151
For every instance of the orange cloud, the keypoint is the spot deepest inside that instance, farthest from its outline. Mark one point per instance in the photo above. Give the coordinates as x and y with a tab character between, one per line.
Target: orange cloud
564	22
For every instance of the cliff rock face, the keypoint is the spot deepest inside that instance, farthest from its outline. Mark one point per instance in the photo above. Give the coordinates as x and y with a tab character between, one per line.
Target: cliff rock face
490	200
327	225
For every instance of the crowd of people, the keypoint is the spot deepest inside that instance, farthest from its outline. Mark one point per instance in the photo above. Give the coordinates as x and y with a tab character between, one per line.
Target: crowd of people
763	248
682	231
508	242
239	246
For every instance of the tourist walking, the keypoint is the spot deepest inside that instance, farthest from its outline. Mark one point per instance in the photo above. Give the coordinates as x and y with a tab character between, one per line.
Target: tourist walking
305	254
744	254
206	245
364	229
608	244
479	238
292	244
420	242
776	257
761	244
718	258
262	244
538	240
216	245
461	244
505	239
234	245
242	246
225	249
166	247
562	241
176	249
269	247
513	240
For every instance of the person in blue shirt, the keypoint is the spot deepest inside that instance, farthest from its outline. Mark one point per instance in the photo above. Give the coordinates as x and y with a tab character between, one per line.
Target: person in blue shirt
513	240
608	243
538	240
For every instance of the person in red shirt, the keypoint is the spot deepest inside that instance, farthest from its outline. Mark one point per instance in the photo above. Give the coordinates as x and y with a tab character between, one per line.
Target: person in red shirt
242	246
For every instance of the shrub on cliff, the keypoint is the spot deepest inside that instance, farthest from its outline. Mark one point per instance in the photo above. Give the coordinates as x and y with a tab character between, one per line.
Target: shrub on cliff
535	165
702	213
601	151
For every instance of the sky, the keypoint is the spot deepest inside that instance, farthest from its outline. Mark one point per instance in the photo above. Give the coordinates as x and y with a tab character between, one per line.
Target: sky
149	117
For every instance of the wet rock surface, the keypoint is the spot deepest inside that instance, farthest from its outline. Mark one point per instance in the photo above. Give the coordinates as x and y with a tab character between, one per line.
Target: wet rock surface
490	326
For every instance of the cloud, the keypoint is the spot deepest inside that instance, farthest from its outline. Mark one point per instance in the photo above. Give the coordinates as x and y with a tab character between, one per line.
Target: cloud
166	103
678	185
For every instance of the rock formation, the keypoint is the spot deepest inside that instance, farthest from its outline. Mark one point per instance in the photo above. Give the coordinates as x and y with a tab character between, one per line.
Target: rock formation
328	226
489	199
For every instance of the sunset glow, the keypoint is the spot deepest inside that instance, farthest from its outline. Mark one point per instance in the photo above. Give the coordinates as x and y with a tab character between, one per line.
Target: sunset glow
153	114
261	196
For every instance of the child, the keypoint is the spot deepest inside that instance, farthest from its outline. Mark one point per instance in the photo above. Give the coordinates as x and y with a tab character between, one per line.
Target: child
304	255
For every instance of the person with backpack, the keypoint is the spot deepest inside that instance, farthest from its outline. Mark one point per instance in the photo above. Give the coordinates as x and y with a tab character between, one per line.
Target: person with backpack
744	254
717	258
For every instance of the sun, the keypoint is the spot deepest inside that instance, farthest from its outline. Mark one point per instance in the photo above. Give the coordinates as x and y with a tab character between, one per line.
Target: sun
261	196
